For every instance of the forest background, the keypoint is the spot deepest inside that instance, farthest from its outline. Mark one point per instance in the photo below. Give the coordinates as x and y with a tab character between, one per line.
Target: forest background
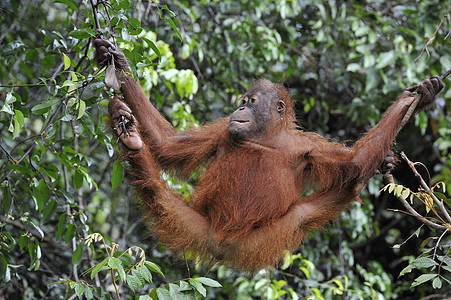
344	62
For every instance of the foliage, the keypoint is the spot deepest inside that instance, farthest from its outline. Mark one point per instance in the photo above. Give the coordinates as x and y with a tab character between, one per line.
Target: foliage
344	63
436	203
135	275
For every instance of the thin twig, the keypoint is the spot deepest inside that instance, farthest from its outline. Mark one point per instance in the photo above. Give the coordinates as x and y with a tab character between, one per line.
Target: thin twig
429	40
438	242
96	19
426	187
388	178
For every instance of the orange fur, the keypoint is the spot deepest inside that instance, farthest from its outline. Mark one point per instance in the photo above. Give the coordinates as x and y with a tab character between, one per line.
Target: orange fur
248	206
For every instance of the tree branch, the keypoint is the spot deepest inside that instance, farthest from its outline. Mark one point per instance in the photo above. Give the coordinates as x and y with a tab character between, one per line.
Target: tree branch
426	187
388	178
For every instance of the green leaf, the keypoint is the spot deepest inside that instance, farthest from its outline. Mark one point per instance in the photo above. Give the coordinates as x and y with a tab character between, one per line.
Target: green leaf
11	98
209	282
13	47
175	28
37	228
145	273
66	62
165	7
124	4
42	108
6	202
422	279
41	194
114	263
385	59
49	211
46	40
424	242
437	283
87	177
398	190
61	226
424	262
71	85
445	259
174	291
41	146
80	289
114	21
83	33
372	80
122	274
362	30
185	286
99	267
77	255
118	174
153	47
139	276
154	267
163	294
417	232
7	107
50	173
24	241
132	282
440	196
20	118
410	32
5	274
78	179
406	270
198	286
353	67
47	63
26	70
71	3
35	253
134	22
22	169
81	108
70	233
16	128
68	149
405	194
74	77
88	293
31	55
391	187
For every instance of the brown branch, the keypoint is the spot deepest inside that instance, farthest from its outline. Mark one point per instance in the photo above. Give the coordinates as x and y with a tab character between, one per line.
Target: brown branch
426	187
96	19
388	178
429	40
411	209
